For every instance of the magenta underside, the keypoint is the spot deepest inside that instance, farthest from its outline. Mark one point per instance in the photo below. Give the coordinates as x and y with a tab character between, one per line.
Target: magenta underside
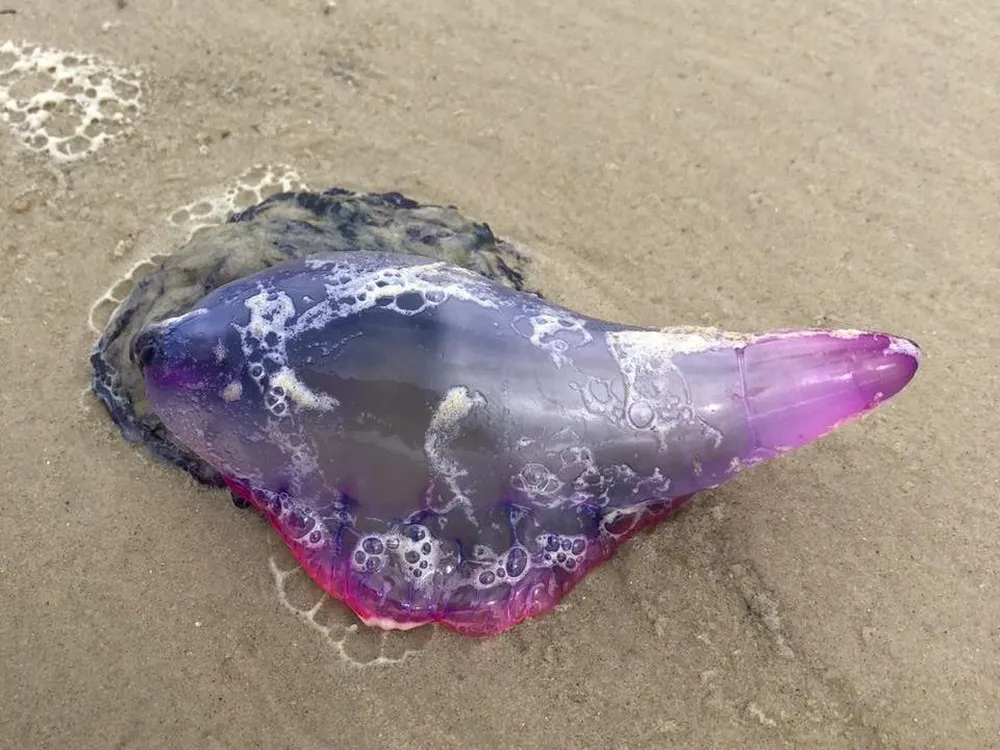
449	451
479	613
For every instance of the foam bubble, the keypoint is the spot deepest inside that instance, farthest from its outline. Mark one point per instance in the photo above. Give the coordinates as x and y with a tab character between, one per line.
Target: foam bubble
570	476
263	340
66	104
406	290
412	549
553	331
301	523
563	551
656	394
445	425
247	189
536	481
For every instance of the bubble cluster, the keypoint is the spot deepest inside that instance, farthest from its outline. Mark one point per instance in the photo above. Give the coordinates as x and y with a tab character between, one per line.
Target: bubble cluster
299	523
419	566
387	289
352	288
536	481
506	568
247	189
424	560
263	340
597	483
560	550
652	395
412	550
553	331
570	476
65	104
602	397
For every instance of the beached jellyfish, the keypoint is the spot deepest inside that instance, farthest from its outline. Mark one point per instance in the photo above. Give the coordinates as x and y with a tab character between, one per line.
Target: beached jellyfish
438	446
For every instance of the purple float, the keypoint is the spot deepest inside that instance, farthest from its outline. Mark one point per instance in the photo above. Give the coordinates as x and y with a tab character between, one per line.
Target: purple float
437	447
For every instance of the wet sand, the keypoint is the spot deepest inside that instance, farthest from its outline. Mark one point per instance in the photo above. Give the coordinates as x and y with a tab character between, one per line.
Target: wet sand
751	165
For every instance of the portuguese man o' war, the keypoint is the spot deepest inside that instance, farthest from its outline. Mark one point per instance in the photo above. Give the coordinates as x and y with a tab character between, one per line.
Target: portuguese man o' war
435	446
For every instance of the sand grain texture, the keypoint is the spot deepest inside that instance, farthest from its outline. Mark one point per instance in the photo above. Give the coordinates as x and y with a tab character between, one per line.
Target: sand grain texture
743	164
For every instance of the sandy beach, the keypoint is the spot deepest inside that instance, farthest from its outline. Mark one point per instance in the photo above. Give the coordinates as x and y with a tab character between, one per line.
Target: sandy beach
747	164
